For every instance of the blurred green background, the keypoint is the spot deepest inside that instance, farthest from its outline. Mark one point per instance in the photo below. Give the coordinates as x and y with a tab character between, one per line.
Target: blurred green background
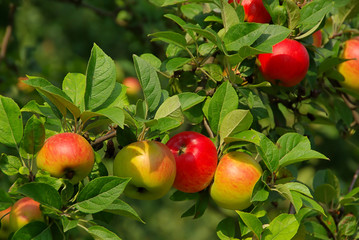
52	38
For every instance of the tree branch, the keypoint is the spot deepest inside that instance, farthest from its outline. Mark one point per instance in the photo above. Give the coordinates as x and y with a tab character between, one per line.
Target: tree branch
355	177
109	135
8	32
208	128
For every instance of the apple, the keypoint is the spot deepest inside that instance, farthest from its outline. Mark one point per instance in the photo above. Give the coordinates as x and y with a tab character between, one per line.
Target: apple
132	84
5	223
196	161
234	180
350	68
23	86
287	65
254	11
24	211
317	38
151	166
66	155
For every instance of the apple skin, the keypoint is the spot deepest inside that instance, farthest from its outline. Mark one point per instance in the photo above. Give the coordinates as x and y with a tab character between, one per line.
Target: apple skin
234	180
151	166
24	211
350	68
5	223
66	155
287	65
133	85
254	11
317	38
196	161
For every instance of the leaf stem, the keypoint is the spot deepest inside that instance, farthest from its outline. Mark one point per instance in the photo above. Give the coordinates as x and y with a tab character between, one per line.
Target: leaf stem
355	177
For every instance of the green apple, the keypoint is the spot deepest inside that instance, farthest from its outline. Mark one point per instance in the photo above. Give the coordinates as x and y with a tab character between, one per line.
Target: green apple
24	211
151	166
66	155
234	180
5	223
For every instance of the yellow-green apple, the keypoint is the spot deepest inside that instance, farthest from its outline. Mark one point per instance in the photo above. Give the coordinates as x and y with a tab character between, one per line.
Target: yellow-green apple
24	211
196	161
5	223
287	65
254	11
317	38
151	166
234	180
132	84
350	68
66	155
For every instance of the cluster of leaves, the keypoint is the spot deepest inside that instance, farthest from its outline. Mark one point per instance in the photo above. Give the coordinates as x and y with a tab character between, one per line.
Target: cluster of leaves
209	83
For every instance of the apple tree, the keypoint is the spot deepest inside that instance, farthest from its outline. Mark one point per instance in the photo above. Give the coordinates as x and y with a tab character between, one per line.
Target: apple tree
258	91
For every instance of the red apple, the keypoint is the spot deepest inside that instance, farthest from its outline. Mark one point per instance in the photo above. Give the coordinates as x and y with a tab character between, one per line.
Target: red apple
66	155
254	11
317	38
24	211
350	68
287	65
196	161
5	223
150	165
234	180
132	84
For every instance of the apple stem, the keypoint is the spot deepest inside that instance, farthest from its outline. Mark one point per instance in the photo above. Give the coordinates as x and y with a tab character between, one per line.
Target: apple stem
69	174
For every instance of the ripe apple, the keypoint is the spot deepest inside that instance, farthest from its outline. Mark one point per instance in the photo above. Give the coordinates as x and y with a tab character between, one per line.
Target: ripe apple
23	86
132	84
350	68
24	211
196	161
287	65
234	180
66	155
151	166
317	38
254	11
5	223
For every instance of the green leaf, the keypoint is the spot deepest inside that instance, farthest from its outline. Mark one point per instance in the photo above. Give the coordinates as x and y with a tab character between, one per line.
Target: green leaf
33	230
101	233
115	114
98	194
234	122
251	136
9	165
150	82
293	12
299	187
226	229
54	95
191	10
182	196
125	136
224	100
271	35
119	207
285	226
252	222
294	148
189	100
11	128
152	59
229	16
165	124
68	224
313	12
34	135
309	202
118	98
170	37
326	177
5	200
42	193
260	192
348	225
269	153
243	34
74	86
170	108
325	193
214	70
176	63
100	78
45	177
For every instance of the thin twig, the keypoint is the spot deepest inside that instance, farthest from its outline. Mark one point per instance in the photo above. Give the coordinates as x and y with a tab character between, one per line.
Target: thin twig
109	135
209	130
8	32
352	107
355	177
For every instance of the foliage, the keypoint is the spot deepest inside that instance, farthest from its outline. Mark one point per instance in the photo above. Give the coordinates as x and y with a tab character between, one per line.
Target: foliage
207	81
